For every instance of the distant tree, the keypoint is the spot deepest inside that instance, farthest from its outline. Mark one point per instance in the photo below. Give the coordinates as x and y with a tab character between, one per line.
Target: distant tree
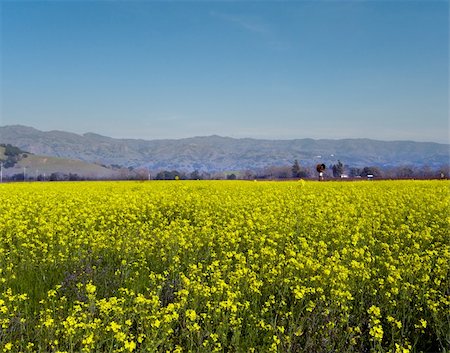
269	172
17	177
443	172
12	150
206	176
162	175
124	173
338	169
170	175
74	177
231	176
12	155
296	169
248	174
141	173
10	162
375	171
275	172
217	176
195	175
404	172
55	176
425	173
355	172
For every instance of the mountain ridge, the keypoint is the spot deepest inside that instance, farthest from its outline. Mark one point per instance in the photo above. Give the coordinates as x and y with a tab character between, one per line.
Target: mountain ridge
221	153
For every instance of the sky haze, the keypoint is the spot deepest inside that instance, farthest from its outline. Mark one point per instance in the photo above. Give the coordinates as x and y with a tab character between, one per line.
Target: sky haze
272	69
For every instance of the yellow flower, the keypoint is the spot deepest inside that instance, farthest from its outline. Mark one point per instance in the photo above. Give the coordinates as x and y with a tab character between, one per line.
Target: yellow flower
120	336
423	323
156	323
48	322
178	349
376	332
191	314
374	310
130	346
89	339
401	349
113	326
90	288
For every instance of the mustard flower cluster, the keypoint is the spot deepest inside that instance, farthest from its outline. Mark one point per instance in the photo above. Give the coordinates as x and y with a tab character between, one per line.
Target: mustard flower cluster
225	266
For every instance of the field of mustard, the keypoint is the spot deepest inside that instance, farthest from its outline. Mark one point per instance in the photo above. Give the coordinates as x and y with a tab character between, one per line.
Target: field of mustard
225	266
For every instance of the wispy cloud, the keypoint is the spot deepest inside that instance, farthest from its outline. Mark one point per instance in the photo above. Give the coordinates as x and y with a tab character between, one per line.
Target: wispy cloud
254	25
248	23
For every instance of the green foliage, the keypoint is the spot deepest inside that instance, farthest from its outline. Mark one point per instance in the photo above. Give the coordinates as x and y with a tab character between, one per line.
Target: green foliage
12	150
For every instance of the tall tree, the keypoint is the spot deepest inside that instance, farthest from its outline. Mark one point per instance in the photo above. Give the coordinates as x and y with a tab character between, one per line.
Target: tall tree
338	169
296	170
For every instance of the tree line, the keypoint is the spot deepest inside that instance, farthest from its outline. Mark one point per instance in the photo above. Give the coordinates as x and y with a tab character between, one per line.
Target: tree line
296	170
334	171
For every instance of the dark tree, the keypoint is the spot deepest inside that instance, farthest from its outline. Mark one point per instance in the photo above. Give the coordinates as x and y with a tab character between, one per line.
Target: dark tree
195	175
338	169
296	170
55	176
375	171
169	175
17	177
10	162
355	172
405	172
12	150
74	177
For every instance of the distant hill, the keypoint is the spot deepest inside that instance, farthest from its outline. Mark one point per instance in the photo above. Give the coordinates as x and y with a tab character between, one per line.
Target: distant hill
35	166
216	153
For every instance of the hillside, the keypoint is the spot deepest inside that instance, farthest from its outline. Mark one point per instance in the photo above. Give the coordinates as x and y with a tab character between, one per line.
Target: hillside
35	166
215	153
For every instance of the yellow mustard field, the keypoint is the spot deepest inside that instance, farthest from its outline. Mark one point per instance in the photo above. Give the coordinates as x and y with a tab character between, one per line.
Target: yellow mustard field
225	266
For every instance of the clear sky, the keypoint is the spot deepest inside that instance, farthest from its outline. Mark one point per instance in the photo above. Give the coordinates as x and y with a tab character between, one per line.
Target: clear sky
263	69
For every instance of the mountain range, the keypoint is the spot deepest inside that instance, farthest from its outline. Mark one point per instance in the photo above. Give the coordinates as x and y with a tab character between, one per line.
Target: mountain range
216	153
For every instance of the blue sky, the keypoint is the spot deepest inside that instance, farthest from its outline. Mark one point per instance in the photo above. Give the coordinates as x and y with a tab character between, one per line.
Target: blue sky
262	69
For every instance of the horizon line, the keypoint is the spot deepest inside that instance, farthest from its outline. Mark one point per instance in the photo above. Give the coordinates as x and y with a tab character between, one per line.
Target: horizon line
224	136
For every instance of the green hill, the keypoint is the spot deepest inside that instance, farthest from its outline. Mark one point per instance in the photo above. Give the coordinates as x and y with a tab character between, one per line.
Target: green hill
35	166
